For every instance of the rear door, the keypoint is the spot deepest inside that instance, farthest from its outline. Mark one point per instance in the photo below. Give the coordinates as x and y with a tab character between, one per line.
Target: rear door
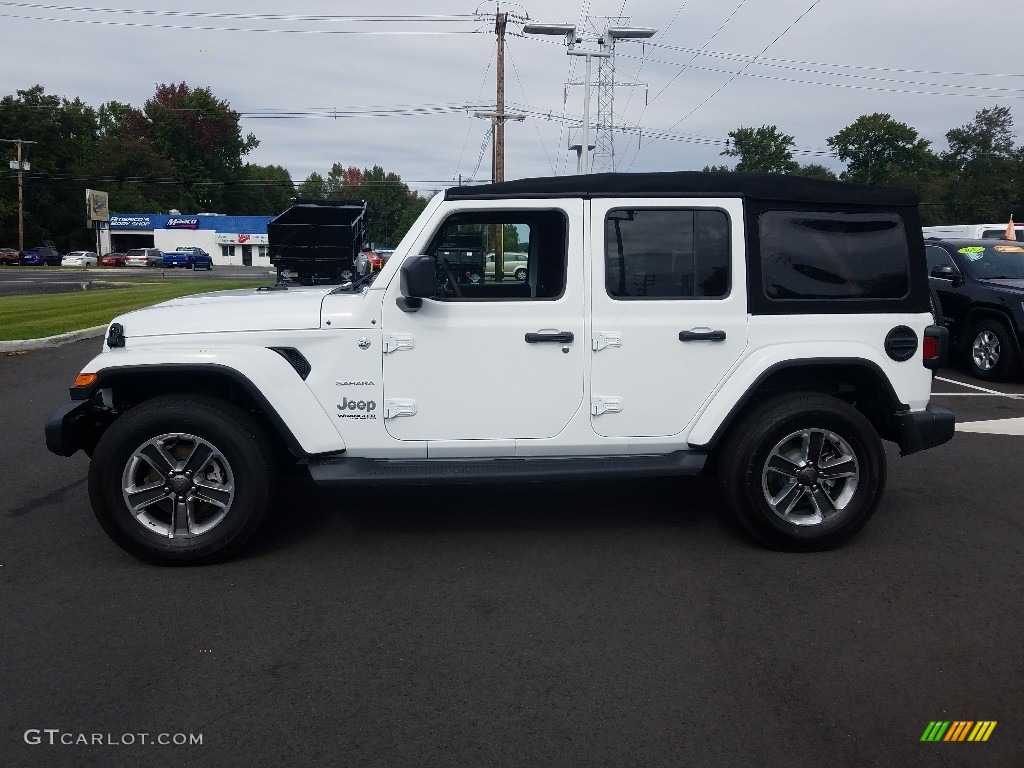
669	310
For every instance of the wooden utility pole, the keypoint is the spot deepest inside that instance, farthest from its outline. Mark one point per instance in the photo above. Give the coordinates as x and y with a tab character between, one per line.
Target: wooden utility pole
21	166
498	118
499	115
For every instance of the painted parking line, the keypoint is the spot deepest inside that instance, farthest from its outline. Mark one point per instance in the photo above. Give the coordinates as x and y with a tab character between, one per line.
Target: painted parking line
993	427
979	391
1011	426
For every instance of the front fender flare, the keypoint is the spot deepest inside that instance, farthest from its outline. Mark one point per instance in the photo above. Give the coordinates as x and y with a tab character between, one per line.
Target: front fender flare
279	392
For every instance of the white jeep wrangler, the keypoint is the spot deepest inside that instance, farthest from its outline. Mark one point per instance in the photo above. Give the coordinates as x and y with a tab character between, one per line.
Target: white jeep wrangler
772	327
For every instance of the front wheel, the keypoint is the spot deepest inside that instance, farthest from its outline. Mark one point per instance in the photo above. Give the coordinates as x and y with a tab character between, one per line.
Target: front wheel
182	479
803	472
520	274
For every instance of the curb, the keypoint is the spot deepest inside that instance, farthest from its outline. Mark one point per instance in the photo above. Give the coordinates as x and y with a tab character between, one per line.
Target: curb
25	345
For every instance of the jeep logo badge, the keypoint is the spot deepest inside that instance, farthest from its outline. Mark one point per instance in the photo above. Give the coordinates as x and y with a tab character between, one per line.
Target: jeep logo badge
357	405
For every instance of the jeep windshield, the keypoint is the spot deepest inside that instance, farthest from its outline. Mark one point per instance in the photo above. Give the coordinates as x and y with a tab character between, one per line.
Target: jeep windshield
994	262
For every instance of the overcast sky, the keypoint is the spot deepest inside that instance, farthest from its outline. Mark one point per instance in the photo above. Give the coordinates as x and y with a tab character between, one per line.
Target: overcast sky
405	85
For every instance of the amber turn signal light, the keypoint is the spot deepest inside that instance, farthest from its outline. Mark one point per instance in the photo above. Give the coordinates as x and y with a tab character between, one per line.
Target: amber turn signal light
85	379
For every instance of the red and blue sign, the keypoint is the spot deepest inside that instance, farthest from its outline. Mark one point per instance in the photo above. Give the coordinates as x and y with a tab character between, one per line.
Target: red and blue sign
182	224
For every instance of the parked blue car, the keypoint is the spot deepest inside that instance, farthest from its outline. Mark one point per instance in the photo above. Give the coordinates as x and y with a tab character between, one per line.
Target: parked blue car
43	256
189	258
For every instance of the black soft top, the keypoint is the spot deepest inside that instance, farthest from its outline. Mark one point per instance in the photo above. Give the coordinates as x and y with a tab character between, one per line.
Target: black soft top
754	186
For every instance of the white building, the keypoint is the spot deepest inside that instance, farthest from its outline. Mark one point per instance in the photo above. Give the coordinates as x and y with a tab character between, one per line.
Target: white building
231	240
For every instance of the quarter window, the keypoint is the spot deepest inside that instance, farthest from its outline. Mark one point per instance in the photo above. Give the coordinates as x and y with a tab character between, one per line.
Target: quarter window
827	255
666	253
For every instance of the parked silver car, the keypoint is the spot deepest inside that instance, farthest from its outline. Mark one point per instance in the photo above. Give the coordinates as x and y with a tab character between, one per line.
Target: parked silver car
144	257
513	264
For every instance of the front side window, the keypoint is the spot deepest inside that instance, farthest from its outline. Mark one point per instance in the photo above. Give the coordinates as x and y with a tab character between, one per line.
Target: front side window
937	257
830	255
487	255
666	253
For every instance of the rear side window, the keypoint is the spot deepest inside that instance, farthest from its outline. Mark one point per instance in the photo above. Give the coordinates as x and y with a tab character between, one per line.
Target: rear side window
666	253
826	255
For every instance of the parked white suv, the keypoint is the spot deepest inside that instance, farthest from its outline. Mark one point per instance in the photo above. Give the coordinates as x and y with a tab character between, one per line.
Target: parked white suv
774	328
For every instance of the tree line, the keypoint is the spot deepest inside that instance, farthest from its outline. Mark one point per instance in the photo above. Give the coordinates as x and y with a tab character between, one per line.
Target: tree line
184	149
979	178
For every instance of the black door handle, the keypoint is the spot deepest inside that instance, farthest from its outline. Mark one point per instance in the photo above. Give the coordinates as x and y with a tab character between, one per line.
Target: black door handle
558	337
702	335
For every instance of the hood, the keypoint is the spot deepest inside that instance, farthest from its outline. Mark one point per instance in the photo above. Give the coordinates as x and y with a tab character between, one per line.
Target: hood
226	311
1015	284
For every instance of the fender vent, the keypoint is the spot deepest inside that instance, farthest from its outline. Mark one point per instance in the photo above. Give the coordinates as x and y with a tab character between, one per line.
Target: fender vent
901	343
298	362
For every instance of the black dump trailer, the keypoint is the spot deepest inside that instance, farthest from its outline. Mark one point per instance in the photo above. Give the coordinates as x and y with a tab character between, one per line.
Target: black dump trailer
317	241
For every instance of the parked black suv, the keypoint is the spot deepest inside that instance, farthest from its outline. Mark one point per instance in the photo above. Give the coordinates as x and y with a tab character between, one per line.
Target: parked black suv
980	285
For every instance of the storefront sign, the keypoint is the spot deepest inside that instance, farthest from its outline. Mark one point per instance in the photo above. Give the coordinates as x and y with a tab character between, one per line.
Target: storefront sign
182	224
130	222
241	238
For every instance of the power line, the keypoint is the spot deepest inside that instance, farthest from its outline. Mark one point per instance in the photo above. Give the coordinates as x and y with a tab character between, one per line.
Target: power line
987	92
103	22
849	75
243	16
727	82
770	61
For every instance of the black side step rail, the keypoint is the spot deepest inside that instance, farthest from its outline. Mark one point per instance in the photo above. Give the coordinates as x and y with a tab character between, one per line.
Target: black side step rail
336	470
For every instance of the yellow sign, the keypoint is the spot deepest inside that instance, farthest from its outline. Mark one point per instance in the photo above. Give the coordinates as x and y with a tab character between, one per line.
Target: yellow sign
97	205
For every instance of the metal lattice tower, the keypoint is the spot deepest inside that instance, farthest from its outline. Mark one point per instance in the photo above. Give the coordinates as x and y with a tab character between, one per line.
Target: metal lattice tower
604	139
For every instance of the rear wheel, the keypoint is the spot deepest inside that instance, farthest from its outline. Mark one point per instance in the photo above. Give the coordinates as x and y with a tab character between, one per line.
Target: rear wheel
181	479
803	472
991	351
520	274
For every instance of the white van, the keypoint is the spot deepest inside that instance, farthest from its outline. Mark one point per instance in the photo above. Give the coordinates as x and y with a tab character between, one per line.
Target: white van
973	231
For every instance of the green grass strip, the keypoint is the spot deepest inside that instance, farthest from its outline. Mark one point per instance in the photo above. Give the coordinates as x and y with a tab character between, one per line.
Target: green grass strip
38	316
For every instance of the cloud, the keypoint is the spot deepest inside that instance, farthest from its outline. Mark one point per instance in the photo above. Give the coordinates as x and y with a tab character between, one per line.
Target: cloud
104	56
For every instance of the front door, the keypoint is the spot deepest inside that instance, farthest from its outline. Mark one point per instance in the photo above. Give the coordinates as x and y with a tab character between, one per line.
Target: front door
491	356
669	310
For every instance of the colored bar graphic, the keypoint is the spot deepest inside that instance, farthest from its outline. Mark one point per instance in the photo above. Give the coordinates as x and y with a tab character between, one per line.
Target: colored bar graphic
958	730
982	730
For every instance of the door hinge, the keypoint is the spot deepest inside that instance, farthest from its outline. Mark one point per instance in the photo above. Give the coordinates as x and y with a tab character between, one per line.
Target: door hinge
604	339
396	408
599	405
392	342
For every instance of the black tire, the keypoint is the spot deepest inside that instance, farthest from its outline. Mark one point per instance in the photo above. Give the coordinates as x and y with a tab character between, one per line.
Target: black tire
800	435
938	318
202	435
992	351
520	274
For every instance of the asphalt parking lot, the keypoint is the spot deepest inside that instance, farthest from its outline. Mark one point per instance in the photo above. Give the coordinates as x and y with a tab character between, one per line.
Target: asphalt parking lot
557	624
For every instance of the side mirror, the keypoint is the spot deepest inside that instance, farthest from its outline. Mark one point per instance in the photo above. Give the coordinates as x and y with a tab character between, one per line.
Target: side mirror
418	281
945	272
